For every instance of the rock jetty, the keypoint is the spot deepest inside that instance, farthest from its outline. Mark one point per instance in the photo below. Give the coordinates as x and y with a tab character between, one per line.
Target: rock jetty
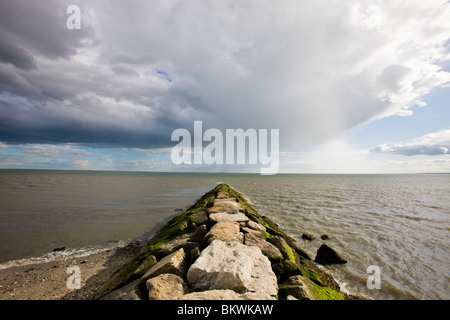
221	249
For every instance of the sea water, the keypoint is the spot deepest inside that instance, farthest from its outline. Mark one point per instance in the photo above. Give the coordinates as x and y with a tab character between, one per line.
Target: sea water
398	223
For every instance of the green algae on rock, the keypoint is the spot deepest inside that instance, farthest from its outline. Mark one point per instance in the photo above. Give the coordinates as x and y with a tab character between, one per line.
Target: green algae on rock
188	234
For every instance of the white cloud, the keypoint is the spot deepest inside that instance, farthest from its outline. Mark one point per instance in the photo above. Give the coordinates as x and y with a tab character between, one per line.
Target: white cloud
309	68
334	156
436	143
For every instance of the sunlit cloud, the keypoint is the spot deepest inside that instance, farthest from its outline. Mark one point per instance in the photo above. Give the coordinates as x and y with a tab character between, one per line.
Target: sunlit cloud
436	143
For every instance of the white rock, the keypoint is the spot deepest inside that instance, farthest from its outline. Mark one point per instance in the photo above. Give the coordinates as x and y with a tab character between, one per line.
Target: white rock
234	266
166	287
225	205
225	294
256	296
256	226
174	263
212	295
230	217
225	231
128	292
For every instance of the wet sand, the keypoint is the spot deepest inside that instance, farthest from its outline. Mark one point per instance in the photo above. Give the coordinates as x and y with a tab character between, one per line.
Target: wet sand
48	280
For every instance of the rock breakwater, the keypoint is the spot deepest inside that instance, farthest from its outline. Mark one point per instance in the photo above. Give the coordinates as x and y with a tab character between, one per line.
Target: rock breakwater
221	249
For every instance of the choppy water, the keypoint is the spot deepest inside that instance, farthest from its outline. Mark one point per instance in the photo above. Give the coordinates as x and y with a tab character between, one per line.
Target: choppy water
399	223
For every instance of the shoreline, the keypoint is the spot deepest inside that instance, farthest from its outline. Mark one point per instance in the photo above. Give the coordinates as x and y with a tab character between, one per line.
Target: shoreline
47	280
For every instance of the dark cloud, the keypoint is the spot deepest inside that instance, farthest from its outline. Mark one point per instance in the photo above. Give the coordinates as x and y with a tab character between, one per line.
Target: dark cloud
137	70
40	27
14	54
49	122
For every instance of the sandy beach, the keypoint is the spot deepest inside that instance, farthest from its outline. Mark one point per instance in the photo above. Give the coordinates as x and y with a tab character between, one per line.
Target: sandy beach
48	280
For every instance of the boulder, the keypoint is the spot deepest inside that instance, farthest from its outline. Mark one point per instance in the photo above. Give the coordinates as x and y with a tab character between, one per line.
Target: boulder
256	296
268	249
225	231
166	287
308	236
284	248
199	218
290	269
324	237
199	234
223	217
174	263
256	233
225	205
224	294
297	286
326	255
227	199
256	226
189	247
145	266
223	200
128	292
278	269
303	288
234	266
180	228
193	255
173	245
223	195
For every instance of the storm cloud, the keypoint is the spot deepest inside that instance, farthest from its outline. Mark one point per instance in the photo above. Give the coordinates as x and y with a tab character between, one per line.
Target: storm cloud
137	70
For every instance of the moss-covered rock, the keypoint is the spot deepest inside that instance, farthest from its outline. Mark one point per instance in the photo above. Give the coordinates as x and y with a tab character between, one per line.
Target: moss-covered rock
145	266
284	248
325	293
199	217
303	288
172	245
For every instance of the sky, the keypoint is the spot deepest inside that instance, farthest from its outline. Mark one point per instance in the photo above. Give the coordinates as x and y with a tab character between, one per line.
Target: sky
352	86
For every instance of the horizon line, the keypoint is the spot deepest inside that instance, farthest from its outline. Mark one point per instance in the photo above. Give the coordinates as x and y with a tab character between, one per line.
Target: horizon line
211	172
